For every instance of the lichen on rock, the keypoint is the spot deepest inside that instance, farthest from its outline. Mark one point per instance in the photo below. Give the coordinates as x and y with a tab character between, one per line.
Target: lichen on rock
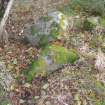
46	29
59	18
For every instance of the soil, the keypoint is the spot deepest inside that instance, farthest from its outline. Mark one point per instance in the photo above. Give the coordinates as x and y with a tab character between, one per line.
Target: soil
77	84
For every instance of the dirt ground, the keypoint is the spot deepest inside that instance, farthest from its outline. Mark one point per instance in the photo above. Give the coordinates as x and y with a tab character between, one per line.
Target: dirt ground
76	84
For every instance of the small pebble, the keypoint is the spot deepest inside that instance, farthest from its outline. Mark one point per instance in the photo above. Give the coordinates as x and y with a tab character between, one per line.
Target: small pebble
48	103
21	101
36	97
45	86
43	93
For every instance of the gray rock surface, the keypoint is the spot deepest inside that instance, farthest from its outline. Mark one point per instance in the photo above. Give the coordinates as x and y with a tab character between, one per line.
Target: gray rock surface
46	29
40	29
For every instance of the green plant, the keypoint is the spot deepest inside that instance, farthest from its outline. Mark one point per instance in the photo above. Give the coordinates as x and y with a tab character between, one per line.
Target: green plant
100	102
35	68
87	25
2	92
93	7
55	30
44	41
96	41
67	10
102	22
1	13
33	30
5	102
46	18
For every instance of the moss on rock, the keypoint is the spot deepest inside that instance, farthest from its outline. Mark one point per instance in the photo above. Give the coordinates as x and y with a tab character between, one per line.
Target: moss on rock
59	18
55	30
36	68
59	54
52	57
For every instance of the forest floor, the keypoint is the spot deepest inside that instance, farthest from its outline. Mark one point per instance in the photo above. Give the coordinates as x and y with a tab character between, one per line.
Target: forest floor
77	84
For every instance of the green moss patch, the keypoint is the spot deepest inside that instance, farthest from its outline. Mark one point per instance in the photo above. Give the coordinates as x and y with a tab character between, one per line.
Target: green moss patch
55	30
46	18
59	54
102	22
51	55
88	25
5	102
34	30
